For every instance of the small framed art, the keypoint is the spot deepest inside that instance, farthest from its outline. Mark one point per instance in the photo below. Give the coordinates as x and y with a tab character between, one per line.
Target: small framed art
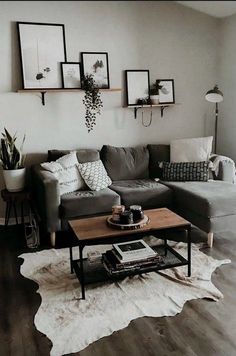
71	75
42	49
167	91
137	87
96	64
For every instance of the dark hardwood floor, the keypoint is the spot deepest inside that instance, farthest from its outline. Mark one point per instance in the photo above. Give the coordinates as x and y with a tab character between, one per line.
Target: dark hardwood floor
203	328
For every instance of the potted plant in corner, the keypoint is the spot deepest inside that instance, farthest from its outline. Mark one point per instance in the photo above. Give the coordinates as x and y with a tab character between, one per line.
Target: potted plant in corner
92	101
11	160
154	93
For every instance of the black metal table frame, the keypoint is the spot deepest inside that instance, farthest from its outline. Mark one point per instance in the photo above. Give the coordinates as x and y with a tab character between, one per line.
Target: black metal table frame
138	234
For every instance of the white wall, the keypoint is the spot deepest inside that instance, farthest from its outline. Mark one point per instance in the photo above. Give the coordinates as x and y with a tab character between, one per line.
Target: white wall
227	115
170	40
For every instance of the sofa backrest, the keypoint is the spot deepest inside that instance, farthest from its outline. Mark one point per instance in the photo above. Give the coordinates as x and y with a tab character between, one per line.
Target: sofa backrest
158	153
124	163
83	155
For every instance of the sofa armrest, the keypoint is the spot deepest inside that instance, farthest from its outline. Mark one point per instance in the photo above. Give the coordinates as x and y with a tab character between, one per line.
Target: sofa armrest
47	197
223	168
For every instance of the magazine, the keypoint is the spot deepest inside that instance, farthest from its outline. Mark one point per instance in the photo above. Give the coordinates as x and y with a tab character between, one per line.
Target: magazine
133	250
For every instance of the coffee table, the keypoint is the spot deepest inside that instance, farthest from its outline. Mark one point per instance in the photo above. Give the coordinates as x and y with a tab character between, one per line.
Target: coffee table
95	231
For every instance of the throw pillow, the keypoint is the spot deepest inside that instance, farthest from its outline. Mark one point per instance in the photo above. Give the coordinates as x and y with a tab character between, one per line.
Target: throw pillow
191	149
186	171
65	170
95	175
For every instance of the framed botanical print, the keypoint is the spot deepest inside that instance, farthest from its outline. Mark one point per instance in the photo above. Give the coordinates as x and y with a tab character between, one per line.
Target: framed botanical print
167	92
71	75
42	49
96	64
137	87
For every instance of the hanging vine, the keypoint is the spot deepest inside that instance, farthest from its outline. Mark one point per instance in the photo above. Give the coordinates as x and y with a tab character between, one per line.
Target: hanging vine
92	101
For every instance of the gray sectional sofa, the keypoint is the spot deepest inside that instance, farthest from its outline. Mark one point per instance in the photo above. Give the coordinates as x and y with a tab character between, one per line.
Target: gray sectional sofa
136	179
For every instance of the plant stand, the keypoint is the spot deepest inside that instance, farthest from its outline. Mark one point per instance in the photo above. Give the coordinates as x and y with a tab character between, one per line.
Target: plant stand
12	199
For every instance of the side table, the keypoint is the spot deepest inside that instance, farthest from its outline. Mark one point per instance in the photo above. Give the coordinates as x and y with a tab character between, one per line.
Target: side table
12	199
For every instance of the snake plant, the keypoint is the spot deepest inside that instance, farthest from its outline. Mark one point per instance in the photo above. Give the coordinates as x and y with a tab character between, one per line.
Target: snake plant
10	156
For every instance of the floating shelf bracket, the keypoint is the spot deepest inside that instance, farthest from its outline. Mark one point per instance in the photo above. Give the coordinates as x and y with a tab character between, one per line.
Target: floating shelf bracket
135	112
162	109
43	97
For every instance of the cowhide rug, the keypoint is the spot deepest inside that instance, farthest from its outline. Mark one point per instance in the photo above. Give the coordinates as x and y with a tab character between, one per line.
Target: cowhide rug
72	324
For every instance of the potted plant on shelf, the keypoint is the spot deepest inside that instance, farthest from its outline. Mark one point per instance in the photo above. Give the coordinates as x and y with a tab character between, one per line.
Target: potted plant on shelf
154	92
11	160
92	101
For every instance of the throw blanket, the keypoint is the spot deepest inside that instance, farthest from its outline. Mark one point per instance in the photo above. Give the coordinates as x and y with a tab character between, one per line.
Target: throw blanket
216	159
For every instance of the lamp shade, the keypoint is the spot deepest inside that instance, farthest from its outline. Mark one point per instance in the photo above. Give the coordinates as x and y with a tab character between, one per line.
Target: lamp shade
214	95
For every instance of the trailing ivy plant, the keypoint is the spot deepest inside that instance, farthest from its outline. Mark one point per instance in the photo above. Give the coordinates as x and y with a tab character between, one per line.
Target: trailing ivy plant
92	101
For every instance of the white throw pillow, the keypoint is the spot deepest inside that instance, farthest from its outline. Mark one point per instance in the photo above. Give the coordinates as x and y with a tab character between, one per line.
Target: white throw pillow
65	170
95	175
191	149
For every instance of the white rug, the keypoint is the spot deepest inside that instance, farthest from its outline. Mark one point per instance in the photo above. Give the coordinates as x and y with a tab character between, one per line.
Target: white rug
72	324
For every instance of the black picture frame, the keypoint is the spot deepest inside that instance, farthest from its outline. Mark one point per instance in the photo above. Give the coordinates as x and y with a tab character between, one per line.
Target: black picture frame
137	94
167	98
74	82
91	62
36	63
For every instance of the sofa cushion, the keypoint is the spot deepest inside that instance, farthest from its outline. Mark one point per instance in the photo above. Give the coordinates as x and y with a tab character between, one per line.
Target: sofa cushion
88	202
158	153
208	199
83	155
124	163
144	192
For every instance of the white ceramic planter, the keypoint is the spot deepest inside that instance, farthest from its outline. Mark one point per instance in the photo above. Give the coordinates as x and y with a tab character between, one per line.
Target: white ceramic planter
154	99
14	179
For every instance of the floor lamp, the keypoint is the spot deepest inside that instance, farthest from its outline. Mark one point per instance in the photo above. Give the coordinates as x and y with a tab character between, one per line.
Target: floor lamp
215	96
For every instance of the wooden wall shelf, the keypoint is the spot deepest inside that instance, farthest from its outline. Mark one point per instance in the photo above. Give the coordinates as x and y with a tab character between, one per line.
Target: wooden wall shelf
161	106
44	91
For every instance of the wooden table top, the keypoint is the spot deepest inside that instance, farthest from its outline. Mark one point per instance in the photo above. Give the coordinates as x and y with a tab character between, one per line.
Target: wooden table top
96	227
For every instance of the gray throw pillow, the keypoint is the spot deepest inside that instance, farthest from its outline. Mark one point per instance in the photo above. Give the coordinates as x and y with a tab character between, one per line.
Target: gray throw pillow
123	163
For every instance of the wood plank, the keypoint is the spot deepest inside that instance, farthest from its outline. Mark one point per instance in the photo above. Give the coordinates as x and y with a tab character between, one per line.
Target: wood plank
202	328
61	90
96	227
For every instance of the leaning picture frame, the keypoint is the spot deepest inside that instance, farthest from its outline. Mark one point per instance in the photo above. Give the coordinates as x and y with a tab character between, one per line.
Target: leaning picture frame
71	75
137	87
96	64
167	92
42	49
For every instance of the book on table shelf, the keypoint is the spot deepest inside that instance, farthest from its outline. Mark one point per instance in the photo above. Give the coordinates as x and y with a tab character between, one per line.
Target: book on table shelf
114	267
133	251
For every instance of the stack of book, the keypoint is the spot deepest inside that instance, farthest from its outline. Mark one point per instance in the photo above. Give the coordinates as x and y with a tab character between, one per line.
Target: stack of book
130	257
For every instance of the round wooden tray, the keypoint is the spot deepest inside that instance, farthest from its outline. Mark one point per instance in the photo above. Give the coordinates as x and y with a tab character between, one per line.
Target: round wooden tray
134	226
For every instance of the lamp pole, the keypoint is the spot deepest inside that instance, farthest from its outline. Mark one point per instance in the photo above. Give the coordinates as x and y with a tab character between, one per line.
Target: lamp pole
215	96
216	126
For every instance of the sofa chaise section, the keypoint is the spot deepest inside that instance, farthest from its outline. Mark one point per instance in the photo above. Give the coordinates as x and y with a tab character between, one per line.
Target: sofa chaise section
211	205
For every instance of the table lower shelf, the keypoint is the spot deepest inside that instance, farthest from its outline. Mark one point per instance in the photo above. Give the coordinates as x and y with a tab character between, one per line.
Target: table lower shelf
96	272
